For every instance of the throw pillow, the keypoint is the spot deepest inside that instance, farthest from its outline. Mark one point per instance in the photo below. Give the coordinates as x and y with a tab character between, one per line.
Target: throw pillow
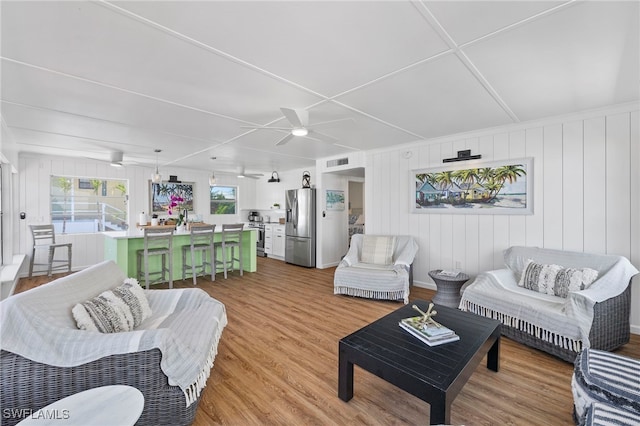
554	279
378	249
120	309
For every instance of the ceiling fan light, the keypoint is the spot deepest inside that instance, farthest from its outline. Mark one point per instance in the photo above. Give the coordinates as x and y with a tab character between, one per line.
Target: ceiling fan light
299	131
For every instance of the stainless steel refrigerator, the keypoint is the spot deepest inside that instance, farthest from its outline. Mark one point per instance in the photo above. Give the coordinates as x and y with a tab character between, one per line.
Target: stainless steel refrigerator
300	229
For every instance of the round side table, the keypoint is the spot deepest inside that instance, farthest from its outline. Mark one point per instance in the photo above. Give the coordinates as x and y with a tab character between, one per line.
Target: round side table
448	288
105	405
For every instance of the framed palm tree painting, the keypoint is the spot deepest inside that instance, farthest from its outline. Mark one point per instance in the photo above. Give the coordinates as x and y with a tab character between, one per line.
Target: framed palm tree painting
496	187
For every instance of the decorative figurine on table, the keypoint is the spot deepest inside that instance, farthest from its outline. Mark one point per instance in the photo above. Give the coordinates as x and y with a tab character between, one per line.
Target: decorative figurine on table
427	319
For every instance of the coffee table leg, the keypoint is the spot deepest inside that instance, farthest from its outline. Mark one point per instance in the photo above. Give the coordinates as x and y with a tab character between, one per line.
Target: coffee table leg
493	356
345	377
440	412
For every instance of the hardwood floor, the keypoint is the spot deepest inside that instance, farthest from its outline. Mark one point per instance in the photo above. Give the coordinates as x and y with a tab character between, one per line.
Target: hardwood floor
277	361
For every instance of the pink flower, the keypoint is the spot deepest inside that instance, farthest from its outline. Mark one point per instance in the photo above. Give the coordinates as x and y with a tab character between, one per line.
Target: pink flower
176	200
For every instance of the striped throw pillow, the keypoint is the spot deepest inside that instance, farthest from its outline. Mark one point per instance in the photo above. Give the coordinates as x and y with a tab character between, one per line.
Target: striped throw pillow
554	279
378	249
113	311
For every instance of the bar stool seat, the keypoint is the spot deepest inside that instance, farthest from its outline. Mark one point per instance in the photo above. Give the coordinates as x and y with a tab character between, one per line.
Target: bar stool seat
44	238
231	239
156	242
201	240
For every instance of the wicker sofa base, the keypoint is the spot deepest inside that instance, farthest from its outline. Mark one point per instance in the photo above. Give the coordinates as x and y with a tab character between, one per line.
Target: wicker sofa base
28	385
610	328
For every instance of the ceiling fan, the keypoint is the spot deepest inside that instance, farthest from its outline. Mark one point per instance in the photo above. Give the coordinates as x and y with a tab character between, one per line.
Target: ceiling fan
299	120
242	174
116	159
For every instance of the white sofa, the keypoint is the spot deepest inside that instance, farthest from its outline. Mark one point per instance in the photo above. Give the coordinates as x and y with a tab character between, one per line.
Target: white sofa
597	317
168	357
375	281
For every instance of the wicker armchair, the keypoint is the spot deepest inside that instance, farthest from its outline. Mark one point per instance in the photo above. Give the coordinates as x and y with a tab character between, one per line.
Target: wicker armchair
35	385
44	357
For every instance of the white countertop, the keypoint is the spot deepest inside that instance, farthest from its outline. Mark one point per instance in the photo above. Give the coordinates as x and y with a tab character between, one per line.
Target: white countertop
139	233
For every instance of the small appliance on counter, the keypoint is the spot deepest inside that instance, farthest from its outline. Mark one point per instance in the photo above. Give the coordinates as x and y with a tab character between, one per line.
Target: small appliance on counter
266	219
254	216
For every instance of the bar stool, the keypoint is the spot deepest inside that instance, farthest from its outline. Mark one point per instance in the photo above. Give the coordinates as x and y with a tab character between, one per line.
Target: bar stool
44	237
156	242
231	238
201	240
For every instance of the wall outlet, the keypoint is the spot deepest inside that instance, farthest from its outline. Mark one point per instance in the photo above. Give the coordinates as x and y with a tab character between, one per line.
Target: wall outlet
458	264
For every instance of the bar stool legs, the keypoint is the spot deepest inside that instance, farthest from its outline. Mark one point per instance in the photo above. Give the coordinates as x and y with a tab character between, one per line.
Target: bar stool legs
156	242
231	239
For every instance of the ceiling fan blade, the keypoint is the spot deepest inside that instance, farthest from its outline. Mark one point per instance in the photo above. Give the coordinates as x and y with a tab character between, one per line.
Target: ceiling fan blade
265	127
320	137
331	122
285	139
297	117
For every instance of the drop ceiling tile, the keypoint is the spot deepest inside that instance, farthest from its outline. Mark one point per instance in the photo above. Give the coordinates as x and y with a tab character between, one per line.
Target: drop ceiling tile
38	88
468	20
585	56
92	133
93	41
328	47
432	99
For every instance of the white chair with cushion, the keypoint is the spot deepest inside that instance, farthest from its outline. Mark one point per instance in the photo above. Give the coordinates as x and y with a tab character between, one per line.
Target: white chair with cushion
44	238
201	241
377	267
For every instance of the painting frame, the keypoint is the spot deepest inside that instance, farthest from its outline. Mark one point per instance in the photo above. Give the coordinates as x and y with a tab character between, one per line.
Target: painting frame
334	199
502	187
224	205
160	196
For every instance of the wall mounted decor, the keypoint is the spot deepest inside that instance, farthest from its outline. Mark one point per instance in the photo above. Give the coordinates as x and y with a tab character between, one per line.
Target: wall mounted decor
306	180
160	196
496	187
335	199
224	199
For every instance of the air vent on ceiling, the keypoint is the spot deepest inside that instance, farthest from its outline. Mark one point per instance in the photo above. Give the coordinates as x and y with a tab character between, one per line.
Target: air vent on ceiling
338	162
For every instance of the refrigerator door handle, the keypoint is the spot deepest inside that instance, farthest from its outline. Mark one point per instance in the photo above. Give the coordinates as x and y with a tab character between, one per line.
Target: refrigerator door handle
294	219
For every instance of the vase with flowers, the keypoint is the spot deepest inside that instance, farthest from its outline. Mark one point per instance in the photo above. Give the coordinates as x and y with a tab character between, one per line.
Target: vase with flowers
176	204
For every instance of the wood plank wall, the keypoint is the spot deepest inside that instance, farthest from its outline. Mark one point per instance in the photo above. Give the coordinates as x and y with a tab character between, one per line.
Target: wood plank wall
586	194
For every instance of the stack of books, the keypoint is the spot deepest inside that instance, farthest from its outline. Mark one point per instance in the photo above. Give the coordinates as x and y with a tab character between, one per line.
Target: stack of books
430	334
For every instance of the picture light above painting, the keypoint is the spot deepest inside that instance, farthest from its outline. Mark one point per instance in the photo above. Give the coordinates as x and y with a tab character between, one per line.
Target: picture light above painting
495	187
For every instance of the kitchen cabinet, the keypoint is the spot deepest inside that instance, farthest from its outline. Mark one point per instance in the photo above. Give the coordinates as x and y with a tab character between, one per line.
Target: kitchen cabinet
278	240
274	240
268	240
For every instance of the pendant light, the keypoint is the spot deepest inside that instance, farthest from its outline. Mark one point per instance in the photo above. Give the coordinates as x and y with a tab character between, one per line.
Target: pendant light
212	178
156	177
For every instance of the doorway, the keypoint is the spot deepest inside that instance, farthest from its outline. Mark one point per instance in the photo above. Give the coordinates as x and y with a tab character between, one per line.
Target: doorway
356	208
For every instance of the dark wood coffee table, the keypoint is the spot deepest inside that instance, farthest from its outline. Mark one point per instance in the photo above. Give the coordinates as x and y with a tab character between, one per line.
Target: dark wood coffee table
435	374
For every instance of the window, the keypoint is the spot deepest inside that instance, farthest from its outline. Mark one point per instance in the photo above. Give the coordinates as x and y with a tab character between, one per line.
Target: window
87	205
223	199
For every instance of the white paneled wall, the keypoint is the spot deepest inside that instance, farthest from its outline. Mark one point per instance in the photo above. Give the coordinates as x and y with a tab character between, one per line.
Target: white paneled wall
586	194
88	249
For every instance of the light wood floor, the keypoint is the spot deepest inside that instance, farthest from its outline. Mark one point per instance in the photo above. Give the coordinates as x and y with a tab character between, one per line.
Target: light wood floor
277	361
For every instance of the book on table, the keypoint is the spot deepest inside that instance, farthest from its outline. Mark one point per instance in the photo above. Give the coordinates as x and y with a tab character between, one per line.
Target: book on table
430	334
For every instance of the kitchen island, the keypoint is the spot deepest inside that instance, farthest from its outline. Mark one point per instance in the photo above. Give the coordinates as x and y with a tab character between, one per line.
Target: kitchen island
121	247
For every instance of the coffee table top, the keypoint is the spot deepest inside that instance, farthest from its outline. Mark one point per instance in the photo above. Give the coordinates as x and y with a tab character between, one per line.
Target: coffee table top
438	366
